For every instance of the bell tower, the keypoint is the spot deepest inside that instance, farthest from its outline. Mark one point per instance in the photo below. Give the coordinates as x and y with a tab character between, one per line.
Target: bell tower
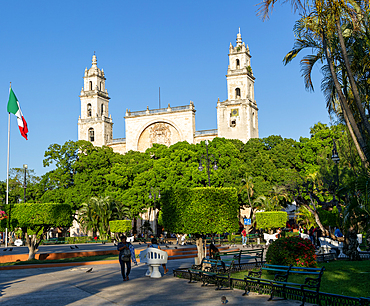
237	117
94	123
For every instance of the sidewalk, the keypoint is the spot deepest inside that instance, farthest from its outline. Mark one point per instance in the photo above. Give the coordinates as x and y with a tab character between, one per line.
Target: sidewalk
104	286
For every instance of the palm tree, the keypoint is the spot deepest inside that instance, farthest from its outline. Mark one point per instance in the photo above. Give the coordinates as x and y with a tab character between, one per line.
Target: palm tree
325	22
267	203
96	214
248	186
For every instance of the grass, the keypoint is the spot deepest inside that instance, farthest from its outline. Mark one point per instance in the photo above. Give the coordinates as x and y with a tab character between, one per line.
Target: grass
65	260
350	278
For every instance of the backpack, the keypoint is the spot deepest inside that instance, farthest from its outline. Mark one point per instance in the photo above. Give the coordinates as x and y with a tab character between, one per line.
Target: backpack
126	254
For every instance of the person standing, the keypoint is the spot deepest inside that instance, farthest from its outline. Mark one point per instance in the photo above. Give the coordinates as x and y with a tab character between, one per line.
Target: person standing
279	232
244	237
126	254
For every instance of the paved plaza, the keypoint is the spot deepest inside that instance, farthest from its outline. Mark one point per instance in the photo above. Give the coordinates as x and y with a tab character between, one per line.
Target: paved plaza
104	286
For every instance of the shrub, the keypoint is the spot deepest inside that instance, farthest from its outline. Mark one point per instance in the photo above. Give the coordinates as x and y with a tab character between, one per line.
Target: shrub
201	210
238	238
293	250
74	240
271	219
289	234
120	226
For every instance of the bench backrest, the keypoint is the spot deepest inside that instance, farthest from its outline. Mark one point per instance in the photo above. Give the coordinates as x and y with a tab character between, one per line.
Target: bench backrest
156	256
253	251
217	264
293	269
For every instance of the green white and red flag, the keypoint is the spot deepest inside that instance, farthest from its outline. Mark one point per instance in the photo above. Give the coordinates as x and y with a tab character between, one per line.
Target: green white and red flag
14	108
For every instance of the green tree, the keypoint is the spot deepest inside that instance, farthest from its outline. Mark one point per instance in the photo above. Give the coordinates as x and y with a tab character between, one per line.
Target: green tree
120	227
327	23
201	211
36	220
96	214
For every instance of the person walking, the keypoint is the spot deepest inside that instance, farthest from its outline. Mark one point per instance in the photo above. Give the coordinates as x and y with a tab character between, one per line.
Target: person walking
126	254
155	245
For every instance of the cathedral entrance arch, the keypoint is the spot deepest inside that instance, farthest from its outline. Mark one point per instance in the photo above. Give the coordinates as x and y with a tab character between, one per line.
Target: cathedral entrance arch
161	132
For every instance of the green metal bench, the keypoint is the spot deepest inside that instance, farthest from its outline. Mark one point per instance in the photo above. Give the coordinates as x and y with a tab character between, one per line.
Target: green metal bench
243	255
212	269
312	282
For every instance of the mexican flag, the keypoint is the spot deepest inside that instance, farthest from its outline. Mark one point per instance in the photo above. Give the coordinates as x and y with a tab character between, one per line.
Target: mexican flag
14	108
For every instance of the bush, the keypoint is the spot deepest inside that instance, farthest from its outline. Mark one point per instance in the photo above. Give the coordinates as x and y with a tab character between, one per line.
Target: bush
74	240
201	210
293	250
231	237
289	234
271	219
120	226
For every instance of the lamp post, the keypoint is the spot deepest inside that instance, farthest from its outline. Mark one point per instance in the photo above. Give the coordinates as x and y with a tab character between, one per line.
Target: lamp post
208	161
25	166
335	158
154	195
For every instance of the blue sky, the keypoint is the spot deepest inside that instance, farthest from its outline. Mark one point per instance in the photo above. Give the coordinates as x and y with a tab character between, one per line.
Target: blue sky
181	47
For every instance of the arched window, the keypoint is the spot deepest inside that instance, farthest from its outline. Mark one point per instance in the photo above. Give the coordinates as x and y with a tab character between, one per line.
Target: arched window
237	63
102	109
91	134
237	93
90	85
89	110
100	86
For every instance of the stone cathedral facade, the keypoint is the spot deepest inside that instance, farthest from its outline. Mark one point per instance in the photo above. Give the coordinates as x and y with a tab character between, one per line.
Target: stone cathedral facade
237	117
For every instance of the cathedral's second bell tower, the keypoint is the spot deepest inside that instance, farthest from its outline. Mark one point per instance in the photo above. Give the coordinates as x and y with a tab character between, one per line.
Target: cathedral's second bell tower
95	124
237	117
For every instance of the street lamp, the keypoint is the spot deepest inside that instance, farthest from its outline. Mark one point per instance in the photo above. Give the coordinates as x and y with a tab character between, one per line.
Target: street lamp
153	195
25	182
208	161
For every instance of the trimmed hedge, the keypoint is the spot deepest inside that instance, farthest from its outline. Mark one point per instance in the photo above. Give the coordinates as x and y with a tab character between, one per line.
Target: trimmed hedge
120	226
271	219
203	210
31	215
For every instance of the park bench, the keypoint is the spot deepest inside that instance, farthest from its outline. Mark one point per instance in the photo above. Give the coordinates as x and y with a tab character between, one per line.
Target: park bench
212	270
153	258
238	239
281	279
242	255
216	239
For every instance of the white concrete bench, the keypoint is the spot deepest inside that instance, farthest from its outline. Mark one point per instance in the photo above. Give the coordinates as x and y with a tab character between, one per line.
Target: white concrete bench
268	237
327	244
18	242
304	236
153	258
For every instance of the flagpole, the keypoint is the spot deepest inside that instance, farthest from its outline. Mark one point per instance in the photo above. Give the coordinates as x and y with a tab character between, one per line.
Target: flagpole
7	174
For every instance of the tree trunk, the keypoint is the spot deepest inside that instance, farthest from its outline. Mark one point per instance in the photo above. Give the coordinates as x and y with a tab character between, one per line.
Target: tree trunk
350	245
348	115
316	216
356	95
353	136
32	245
201	253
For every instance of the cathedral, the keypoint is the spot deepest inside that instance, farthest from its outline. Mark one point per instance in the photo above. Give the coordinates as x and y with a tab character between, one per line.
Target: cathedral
237	117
